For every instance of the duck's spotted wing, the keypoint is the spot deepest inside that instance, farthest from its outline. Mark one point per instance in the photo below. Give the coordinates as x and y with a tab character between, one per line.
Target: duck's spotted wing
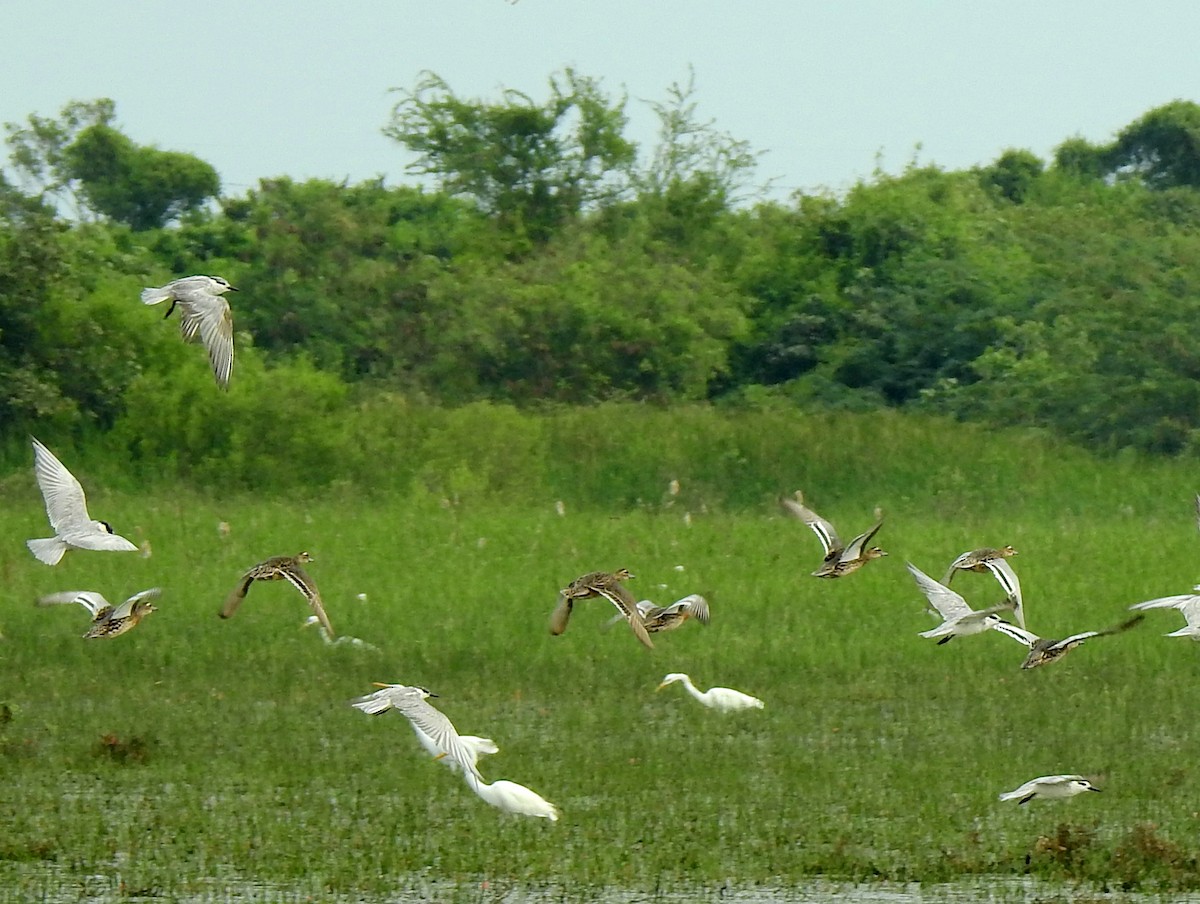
823	529
299	579
1017	633
89	599
1009	583
627	606
854	551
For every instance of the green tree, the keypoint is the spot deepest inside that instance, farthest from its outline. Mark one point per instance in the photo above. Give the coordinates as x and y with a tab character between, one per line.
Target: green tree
1162	148
531	166
38	150
142	187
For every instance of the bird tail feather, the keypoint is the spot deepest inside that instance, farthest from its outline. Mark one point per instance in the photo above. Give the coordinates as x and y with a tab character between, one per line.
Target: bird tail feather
154	296
50	550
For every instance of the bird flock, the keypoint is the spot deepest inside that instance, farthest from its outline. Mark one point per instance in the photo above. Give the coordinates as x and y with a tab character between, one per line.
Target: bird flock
205	317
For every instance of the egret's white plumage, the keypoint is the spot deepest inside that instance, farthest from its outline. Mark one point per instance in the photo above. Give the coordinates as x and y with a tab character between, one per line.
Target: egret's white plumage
1050	787
66	507
722	699
1186	603
410	701
205	317
958	619
513	798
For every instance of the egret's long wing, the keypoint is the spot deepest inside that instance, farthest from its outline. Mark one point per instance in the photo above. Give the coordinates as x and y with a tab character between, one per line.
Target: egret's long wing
97	540
1017	633
1009	583
1187	603
823	529
854	550
66	506
949	604
89	599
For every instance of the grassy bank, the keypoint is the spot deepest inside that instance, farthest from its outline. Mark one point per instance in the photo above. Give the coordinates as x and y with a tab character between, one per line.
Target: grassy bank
195	753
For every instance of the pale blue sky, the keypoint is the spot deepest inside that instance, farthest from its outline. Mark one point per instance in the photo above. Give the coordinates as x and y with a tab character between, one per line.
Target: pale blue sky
260	89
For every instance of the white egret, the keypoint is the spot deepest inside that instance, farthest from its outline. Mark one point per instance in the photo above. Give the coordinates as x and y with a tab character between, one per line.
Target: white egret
512	798
280	568
66	507
205	317
722	699
1050	787
840	559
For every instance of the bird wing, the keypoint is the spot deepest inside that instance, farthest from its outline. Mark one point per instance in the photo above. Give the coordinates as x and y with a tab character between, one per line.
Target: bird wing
1009	582
854	550
949	604
1017	633
1122	626
126	608
97	540
209	318
1187	603
237	594
825	531
627	606
89	599
66	506
561	613
437	726
299	579
696	604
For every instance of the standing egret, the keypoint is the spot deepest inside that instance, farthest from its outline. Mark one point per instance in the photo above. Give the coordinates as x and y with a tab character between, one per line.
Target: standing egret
512	798
722	699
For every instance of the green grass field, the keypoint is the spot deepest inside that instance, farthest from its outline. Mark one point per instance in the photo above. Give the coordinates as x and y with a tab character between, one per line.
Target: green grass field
196	756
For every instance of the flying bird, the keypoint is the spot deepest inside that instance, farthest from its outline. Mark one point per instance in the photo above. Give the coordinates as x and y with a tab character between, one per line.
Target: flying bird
1044	650
107	620
66	508
603	584
958	619
1186	603
668	618
840	559
1049	787
344	640
435	731
989	559
281	568
722	699
204	317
